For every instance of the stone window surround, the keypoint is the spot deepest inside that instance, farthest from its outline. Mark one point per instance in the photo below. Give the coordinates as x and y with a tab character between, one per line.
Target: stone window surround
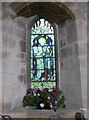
30	22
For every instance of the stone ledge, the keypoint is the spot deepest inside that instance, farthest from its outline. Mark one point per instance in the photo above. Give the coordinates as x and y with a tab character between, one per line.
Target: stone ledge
43	118
34	113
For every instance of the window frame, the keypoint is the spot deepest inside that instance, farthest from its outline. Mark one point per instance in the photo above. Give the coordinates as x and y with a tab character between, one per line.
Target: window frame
28	66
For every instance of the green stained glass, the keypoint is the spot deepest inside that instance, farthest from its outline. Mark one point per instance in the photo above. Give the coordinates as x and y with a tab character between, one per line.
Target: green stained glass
45	84
43	54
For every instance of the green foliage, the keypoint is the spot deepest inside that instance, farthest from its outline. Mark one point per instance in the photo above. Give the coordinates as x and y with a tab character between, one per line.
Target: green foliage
44	99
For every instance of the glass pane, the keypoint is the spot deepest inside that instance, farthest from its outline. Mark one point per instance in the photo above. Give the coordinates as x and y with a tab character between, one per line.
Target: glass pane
32	38
45	84
52	37
43	53
42	26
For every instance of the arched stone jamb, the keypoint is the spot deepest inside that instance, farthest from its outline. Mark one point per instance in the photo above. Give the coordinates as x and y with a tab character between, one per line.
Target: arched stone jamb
30	22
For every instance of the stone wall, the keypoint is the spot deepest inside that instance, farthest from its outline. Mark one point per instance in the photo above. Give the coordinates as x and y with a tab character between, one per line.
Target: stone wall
13	61
0	57
69	64
80	12
70	68
44	0
72	40
88	57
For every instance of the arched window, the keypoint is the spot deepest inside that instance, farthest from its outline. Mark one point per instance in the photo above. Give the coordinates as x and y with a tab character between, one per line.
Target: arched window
43	70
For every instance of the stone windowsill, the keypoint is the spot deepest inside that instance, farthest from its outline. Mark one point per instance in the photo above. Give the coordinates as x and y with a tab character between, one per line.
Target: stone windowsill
33	113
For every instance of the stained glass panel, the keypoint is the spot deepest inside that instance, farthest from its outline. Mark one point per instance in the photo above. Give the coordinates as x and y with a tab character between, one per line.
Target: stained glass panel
43	54
42	26
45	84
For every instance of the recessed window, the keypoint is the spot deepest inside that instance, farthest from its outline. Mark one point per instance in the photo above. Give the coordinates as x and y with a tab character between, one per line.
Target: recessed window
43	69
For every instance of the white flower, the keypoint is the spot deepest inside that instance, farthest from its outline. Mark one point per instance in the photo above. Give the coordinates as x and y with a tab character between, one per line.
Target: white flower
50	90
27	107
55	102
51	105
38	94
48	98
34	94
42	105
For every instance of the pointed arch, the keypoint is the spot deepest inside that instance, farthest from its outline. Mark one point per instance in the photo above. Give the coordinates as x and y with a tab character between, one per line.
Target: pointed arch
43	70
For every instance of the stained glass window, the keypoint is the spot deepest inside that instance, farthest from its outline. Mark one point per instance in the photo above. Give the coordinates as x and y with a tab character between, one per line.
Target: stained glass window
43	71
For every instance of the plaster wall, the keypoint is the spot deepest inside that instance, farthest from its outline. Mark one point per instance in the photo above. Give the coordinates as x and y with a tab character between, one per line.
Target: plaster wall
13	61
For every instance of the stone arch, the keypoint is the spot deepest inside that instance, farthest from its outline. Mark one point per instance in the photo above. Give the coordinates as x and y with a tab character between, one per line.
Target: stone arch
59	14
64	20
32	21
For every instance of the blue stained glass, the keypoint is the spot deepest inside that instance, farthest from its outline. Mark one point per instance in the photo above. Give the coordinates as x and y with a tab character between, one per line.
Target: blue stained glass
43	52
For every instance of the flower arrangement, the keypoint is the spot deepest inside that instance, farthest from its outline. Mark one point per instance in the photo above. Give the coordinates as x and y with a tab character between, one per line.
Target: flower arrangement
44	99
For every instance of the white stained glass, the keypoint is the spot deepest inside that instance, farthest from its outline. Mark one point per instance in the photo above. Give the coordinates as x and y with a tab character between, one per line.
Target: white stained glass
43	28
42	22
